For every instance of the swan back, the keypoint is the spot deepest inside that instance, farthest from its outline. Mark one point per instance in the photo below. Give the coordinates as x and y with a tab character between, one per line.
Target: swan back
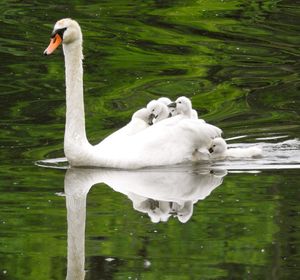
142	114
161	144
139	122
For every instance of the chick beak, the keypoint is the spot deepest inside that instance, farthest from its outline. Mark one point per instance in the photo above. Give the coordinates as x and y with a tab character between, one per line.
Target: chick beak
151	118
172	105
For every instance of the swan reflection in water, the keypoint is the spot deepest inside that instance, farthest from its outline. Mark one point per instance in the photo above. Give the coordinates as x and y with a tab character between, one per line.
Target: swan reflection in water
165	194
159	193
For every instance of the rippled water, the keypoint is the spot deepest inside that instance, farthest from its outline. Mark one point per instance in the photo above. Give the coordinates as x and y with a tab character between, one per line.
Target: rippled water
239	63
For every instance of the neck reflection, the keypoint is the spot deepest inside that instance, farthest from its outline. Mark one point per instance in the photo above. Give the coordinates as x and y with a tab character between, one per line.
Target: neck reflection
159	193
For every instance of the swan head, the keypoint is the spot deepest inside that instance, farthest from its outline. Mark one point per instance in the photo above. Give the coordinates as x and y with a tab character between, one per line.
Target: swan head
183	104
167	101
218	146
164	100
65	31
157	110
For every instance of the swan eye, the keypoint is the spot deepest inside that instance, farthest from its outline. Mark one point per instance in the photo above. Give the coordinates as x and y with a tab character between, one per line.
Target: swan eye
179	102
153	110
214	145
60	32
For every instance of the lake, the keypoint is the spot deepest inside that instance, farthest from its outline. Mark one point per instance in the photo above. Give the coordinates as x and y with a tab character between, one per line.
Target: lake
237	60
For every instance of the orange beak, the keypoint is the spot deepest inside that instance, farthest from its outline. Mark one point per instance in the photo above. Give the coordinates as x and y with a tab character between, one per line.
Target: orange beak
54	43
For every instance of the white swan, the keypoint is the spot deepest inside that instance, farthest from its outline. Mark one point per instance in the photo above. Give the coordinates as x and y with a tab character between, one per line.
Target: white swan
183	106
139	121
164	100
167	101
219	150
158	111
162	144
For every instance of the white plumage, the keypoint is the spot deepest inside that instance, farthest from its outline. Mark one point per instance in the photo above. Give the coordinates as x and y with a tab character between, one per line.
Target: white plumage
219	150
169	141
183	106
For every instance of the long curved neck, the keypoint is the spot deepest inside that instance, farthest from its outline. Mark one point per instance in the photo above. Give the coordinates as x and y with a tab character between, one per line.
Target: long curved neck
75	135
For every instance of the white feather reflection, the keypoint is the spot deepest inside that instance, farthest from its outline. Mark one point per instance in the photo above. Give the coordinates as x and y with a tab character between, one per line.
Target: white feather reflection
159	193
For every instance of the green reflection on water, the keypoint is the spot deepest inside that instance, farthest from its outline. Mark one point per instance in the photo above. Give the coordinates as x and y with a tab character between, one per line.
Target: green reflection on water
237	60
240	231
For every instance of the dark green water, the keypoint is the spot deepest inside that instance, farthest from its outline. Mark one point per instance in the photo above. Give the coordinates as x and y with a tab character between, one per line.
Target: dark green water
239	63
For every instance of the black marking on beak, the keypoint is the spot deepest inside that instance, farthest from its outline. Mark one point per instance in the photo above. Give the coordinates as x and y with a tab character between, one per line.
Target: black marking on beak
60	32
172	105
211	150
151	118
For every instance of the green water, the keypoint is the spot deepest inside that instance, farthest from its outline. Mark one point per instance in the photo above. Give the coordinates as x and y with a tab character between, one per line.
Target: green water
239	63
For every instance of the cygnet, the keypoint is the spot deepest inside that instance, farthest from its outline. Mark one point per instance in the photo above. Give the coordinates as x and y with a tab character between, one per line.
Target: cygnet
183	105
167	101
158	111
219	149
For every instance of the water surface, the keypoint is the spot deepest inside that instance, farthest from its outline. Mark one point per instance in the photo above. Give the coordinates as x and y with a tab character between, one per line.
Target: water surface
239	63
